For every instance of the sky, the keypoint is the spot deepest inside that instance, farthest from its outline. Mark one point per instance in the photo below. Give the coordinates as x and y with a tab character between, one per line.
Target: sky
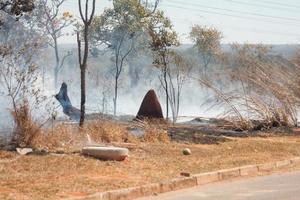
241	21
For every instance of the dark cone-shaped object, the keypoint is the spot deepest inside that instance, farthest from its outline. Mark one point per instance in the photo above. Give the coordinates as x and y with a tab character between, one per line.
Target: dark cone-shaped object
150	107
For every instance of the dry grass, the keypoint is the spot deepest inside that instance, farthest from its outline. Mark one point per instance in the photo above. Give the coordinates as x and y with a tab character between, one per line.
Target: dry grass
26	130
62	176
70	136
106	131
154	135
263	89
155	131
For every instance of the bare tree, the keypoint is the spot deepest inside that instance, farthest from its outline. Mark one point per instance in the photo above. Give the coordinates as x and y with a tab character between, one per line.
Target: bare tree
163	38
19	48
83	58
52	23
177	75
119	28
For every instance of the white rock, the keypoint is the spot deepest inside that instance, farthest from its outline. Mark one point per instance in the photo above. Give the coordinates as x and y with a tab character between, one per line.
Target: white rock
106	153
24	151
186	151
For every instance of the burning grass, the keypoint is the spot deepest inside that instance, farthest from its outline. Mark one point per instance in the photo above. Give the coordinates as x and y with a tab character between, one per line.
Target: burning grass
56	176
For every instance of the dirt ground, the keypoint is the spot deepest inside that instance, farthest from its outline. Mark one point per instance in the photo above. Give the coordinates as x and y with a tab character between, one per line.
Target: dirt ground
56	176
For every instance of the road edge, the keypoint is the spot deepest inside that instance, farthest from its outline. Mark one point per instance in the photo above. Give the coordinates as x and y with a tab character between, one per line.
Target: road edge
187	182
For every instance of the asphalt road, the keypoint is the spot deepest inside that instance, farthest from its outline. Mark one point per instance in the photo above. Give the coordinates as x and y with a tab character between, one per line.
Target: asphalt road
284	186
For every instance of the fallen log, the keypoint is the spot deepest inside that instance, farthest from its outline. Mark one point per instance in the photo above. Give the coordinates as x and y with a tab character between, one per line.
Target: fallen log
63	99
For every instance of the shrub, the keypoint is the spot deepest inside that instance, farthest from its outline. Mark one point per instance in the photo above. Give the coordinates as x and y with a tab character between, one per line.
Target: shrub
25	130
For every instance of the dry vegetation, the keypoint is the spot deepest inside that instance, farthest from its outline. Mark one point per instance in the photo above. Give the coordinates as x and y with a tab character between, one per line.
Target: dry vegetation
62	172
70	137
153	158
265	94
262	88
26	130
154	134
55	176
266	97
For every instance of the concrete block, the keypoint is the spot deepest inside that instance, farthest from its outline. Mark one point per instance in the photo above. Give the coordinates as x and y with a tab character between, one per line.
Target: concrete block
187	182
106	153
151	189
124	194
266	167
295	160
229	173
207	178
248	170
283	163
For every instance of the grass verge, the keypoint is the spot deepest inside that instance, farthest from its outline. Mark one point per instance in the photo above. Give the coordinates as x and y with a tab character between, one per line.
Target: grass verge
56	176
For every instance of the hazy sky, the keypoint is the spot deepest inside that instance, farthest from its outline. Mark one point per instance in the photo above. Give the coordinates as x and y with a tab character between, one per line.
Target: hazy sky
255	21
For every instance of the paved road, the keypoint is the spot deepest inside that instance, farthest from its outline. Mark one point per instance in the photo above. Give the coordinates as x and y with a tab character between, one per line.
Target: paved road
275	187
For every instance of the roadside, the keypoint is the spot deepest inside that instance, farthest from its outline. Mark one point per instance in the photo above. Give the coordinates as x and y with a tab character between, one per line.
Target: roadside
55	176
278	186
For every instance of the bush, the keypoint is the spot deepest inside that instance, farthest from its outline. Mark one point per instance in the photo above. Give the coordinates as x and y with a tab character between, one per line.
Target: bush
25	130
263	90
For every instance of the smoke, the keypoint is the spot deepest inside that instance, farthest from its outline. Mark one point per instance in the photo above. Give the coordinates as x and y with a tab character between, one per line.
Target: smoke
137	78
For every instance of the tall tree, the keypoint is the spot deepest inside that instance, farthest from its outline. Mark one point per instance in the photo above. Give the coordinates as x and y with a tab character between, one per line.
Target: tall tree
179	69
119	28
207	42
163	39
53	23
83	56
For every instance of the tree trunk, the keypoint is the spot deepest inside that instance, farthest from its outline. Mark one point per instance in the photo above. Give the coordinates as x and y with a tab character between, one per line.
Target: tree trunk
166	84
82	76
57	60
116	96
167	92
83	95
83	65
56	70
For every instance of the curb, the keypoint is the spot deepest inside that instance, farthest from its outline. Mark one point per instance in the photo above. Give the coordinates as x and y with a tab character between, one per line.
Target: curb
187	182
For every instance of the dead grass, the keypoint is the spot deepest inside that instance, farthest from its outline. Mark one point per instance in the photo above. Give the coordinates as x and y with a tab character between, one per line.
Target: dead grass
155	132
64	176
70	136
155	135
262	89
106	131
26	130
